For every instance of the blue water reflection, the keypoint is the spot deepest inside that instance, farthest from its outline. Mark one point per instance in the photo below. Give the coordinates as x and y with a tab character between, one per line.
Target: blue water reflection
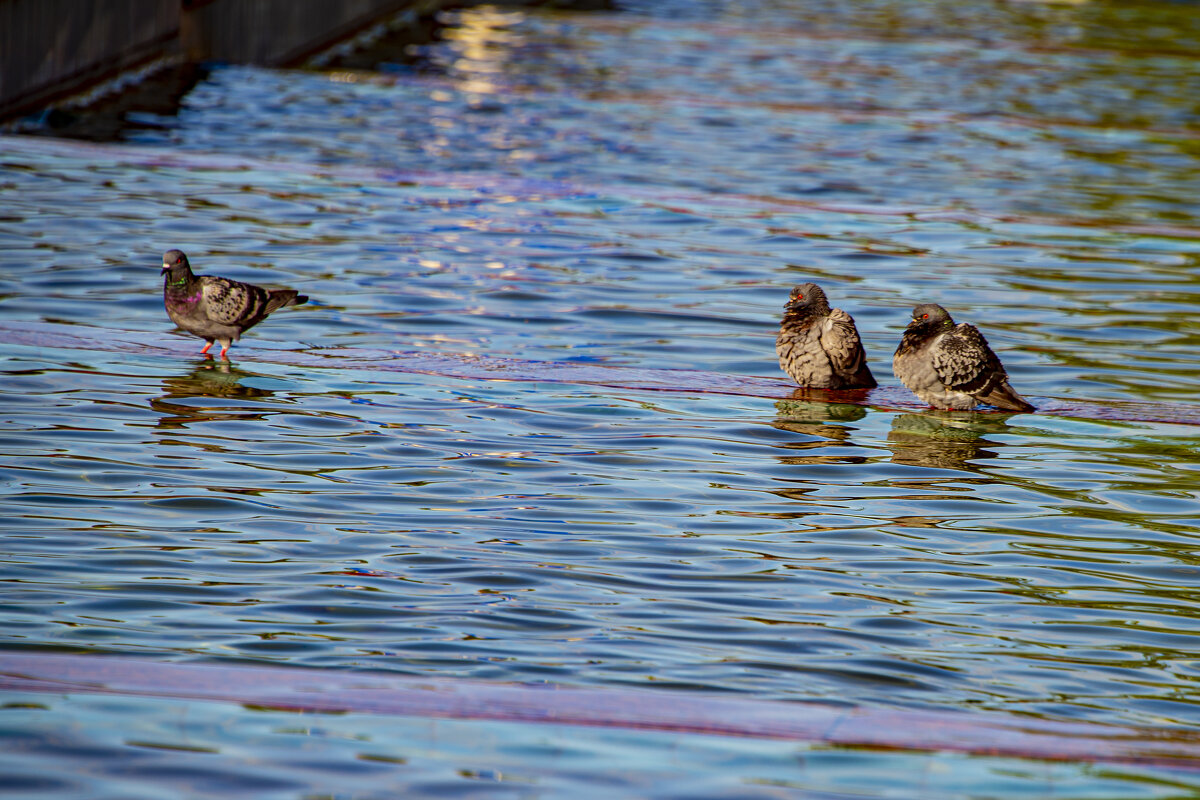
631	190
206	748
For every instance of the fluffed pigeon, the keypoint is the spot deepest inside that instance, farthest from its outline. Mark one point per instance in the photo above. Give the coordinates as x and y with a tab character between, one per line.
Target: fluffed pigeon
951	366
818	346
217	309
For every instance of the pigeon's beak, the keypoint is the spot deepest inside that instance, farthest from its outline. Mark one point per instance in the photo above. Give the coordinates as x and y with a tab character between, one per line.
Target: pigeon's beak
165	270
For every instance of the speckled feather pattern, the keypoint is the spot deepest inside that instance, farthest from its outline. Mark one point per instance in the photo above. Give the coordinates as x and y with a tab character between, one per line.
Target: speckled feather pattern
215	308
819	347
951	366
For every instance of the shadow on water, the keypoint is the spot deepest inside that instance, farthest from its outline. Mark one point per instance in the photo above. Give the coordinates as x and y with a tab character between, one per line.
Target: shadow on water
483	461
401	46
945	439
183	401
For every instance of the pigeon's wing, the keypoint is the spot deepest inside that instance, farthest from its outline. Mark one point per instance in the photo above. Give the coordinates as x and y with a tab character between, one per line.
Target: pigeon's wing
841	343
233	302
964	362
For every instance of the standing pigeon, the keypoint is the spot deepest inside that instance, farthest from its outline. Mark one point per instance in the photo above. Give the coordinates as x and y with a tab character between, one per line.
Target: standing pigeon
217	309
818	346
951	366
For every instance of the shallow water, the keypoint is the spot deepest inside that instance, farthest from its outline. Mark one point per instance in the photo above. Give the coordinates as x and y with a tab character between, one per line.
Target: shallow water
179	748
632	190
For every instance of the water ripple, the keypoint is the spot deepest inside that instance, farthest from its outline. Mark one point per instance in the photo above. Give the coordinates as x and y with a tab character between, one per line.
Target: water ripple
531	427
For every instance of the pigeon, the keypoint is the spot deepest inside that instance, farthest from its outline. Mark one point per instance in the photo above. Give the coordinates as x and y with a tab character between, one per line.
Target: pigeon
217	309
951	366
818	346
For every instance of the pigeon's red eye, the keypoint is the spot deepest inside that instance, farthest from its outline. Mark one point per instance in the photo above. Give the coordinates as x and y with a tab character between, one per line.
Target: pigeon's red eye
924	316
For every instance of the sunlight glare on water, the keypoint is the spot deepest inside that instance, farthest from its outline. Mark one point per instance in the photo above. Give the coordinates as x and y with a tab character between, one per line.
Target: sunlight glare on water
635	190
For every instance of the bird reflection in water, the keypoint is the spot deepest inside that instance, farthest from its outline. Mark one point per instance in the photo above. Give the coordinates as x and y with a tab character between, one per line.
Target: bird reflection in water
945	439
183	402
814	414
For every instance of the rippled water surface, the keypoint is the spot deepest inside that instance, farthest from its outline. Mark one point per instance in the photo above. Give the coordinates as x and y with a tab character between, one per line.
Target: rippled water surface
635	190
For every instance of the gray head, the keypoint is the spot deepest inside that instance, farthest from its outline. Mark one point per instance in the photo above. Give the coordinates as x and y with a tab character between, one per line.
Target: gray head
807	298
175	262
930	316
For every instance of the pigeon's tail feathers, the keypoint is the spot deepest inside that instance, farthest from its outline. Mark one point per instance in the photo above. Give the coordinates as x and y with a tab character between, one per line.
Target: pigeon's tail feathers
1006	397
278	298
862	378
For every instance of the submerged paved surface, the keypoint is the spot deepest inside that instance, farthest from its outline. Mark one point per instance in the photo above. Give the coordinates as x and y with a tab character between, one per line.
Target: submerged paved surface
627	193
